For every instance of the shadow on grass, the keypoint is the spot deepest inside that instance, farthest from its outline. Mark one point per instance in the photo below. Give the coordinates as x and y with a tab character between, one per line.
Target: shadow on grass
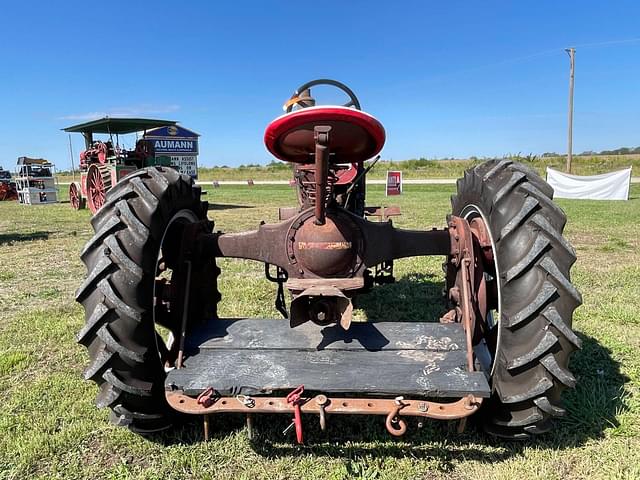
416	297
22	237
591	407
227	206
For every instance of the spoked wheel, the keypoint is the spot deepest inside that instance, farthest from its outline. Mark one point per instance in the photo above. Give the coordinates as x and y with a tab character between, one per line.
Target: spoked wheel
130	313
98	184
524	339
75	196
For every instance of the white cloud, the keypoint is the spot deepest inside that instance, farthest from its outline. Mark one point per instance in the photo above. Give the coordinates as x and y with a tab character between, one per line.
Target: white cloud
131	111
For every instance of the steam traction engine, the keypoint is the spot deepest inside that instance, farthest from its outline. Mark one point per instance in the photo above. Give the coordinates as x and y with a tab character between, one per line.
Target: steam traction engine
503	343
104	163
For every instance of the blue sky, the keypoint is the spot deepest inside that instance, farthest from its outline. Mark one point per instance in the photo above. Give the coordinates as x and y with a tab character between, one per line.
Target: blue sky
445	78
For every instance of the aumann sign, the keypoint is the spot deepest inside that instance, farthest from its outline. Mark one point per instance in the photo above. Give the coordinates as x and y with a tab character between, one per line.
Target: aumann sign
180	144
176	146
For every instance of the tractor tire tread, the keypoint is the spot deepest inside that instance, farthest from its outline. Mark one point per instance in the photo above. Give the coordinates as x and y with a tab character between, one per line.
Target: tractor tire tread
99	364
546	343
529	205
119	331
530	310
538	298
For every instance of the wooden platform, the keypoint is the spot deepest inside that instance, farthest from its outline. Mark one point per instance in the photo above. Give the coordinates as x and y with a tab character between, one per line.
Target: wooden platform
260	356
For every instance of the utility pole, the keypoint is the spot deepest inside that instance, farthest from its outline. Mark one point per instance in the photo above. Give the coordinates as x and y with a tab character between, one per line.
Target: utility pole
73	167
572	53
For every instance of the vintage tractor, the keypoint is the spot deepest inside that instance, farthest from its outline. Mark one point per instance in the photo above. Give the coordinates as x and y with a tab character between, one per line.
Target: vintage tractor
104	162
503	344
7	186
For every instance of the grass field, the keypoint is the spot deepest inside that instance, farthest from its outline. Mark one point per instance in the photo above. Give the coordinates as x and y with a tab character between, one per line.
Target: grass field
581	165
49	427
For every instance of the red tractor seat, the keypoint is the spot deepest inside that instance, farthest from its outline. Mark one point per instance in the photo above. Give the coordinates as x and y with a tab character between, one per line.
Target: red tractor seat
355	135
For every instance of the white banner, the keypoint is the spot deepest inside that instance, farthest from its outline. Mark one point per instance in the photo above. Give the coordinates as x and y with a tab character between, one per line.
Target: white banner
608	186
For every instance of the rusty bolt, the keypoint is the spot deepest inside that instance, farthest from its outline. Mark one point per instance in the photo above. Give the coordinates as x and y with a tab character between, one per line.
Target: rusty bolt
322	400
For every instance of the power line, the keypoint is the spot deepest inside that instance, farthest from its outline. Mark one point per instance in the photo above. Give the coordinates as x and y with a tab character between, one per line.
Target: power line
554	51
608	42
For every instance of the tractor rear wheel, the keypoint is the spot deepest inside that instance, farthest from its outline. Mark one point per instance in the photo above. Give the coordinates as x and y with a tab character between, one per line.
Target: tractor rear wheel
531	339
98	184
76	199
139	227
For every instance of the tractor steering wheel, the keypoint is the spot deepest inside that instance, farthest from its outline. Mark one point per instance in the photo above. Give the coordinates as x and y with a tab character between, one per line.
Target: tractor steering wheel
303	101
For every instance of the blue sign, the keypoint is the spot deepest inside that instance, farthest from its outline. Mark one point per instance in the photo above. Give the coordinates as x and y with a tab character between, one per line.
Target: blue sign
175	145
171	131
173	139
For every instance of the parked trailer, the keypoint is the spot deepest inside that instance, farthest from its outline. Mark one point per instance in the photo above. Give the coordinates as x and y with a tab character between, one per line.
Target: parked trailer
35	181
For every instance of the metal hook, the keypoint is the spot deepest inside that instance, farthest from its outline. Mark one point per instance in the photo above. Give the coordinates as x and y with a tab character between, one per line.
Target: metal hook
246	400
396	426
322	402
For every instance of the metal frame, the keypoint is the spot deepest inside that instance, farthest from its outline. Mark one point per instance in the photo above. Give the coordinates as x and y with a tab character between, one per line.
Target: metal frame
392	409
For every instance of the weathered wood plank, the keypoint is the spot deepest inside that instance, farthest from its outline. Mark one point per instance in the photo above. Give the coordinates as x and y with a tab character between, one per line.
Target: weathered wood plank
400	372
276	334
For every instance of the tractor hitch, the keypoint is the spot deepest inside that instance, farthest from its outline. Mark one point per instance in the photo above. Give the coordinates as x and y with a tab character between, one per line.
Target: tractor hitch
324	406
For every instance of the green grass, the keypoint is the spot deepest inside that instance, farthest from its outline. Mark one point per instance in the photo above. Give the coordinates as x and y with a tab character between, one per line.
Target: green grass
49	427
424	168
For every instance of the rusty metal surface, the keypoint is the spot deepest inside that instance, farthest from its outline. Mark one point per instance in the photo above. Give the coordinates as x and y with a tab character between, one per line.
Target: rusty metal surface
467	311
461	276
373	243
321	137
385	242
322	305
299	284
382	212
461	408
285	213
471	276
328	249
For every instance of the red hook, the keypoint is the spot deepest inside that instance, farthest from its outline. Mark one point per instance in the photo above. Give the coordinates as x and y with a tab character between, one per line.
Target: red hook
207	398
294	398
